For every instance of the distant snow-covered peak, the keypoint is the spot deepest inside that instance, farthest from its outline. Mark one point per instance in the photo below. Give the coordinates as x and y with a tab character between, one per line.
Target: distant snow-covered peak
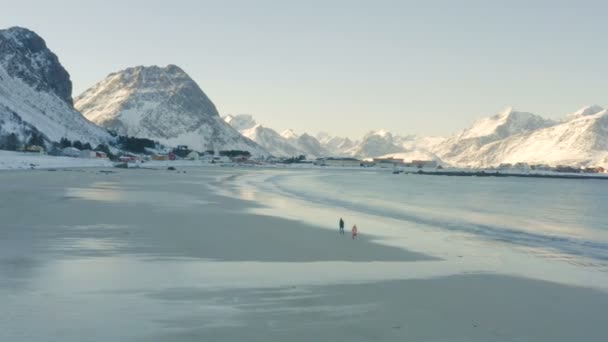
241	121
323	137
289	134
585	111
381	133
505	123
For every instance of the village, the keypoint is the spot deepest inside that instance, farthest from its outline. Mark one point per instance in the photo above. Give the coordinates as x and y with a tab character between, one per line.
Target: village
127	159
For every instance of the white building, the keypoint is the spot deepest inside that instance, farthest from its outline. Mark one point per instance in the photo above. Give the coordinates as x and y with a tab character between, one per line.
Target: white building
71	152
340	162
87	154
193	156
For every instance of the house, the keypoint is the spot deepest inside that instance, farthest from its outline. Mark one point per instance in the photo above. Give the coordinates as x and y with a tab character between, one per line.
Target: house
128	158
70	152
160	157
423	163
568	169
522	166
541	167
221	159
207	158
594	170
101	155
239	159
367	163
88	154
35	149
193	155
503	166
388	162
340	162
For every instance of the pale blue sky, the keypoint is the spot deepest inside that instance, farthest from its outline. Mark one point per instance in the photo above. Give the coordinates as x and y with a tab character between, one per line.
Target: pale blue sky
423	67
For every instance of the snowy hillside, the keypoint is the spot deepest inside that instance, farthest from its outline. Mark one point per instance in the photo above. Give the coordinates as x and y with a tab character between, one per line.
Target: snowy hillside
162	104
310	146
585	111
335	146
287	144
36	92
272	141
375	144
512	137
464	148
240	122
582	141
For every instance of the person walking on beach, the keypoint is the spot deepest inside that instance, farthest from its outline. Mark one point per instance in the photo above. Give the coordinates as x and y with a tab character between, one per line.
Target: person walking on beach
341	224
354	231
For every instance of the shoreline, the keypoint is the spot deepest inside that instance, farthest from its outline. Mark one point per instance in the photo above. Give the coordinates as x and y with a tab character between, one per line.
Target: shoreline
188	264
503	174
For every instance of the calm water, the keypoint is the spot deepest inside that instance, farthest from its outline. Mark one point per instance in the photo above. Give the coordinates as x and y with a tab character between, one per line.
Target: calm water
565	215
549	229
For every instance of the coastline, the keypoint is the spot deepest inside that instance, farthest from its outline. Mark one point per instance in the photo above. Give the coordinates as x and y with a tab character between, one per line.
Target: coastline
159	255
506	174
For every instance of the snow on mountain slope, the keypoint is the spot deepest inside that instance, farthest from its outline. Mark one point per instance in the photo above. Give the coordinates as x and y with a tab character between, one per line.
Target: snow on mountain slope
337	146
266	137
585	111
162	104
286	144
310	145
375	144
306	143
382	143
464	148
289	134
272	141
582	141
513	137
36	92
240	122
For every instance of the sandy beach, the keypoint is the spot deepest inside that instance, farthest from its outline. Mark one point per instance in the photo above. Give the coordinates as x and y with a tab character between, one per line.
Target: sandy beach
159	255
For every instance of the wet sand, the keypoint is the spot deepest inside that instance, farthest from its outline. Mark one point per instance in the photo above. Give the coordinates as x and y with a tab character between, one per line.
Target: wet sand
154	255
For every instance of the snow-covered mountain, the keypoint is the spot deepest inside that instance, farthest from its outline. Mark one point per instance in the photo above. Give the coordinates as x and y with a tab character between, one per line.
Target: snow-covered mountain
272	141
512	137
464	148
286	144
240	122
36	92
375	144
381	143
581	141
335	146
289	134
585	111
163	104
310	145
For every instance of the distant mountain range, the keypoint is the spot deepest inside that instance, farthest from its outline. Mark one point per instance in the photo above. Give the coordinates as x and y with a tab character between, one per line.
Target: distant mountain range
580	139
164	104
374	144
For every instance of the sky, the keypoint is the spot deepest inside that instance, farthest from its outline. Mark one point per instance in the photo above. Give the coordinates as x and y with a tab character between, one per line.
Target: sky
344	67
